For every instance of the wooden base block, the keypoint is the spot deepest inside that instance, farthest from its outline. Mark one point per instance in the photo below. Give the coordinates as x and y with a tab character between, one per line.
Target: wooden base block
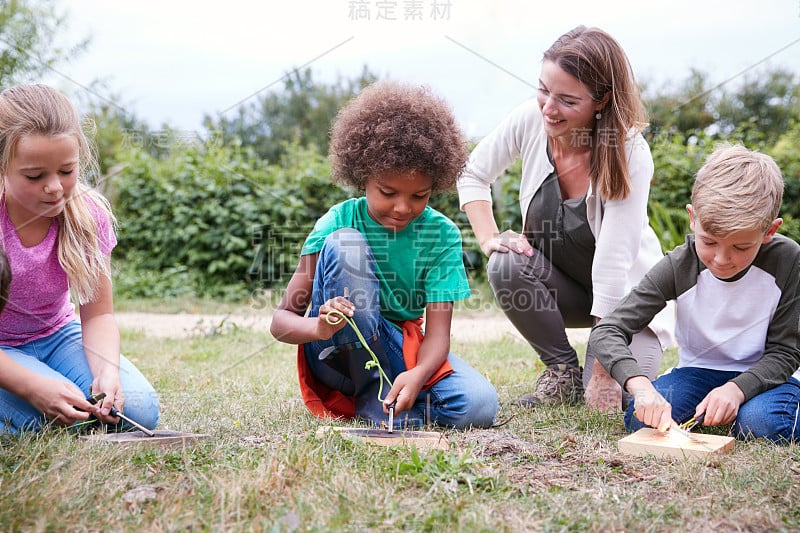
648	441
161	437
420	439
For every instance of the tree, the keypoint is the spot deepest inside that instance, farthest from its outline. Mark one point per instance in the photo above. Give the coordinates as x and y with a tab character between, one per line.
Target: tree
302	113
28	45
764	103
685	109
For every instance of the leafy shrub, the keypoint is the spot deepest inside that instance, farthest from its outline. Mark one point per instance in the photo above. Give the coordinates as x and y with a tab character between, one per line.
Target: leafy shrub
217	221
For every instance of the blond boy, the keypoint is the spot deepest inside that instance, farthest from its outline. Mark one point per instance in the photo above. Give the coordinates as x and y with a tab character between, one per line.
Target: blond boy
736	284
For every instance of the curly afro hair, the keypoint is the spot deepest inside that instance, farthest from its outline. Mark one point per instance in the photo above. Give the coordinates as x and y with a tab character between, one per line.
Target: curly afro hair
392	127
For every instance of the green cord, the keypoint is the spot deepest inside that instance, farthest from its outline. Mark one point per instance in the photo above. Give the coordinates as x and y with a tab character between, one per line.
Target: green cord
370	364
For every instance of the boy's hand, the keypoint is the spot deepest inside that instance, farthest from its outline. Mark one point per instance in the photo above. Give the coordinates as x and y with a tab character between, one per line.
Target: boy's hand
405	390
328	324
721	405
650	407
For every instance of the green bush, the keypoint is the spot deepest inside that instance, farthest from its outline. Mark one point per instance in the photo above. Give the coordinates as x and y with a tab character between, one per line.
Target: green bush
198	215
216	221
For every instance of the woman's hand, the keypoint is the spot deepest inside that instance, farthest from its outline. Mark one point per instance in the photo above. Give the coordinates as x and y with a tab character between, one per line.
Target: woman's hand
109	383
328	324
405	390
603	392
60	401
508	241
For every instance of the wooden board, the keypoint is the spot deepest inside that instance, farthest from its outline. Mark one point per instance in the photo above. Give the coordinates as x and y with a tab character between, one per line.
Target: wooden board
648	441
381	437
161	437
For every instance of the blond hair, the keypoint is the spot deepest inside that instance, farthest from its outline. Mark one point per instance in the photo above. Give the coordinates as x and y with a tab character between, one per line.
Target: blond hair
41	110
737	189
598	61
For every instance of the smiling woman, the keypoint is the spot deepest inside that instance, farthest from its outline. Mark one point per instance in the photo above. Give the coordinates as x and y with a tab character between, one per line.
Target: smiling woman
585	240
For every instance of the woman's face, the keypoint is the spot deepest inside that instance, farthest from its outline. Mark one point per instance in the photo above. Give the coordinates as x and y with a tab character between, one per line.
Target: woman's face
566	104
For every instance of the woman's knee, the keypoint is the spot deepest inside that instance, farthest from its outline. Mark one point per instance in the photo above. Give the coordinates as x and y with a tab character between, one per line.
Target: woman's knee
501	270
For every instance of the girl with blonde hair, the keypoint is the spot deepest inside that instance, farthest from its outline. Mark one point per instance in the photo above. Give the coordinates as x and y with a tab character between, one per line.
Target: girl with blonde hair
58	234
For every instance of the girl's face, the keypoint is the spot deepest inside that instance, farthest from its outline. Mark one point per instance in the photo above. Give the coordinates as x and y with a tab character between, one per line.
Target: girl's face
41	176
566	104
395	199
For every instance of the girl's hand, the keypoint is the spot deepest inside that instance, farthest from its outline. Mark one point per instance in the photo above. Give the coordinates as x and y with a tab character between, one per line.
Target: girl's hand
325	329
60	401
721	405
405	390
505	242
109	384
650	407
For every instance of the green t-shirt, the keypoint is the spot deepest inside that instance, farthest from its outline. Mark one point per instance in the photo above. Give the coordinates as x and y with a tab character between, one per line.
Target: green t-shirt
419	264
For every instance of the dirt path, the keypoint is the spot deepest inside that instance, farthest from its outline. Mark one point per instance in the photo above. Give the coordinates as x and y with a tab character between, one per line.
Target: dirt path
181	325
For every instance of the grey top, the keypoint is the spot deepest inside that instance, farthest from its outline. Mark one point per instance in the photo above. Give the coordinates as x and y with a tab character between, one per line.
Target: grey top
747	324
560	230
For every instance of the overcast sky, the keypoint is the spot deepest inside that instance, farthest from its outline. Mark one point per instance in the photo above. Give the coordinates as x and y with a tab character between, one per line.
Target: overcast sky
174	61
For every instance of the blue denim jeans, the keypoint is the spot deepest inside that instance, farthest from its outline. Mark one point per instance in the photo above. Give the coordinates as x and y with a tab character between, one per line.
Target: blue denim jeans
61	356
463	399
772	415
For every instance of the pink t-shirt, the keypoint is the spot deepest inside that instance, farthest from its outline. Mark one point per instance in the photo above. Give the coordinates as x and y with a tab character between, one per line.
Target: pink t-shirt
38	300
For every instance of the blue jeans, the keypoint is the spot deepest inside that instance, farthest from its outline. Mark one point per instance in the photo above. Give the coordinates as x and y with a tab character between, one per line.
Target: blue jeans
463	399
772	415
61	356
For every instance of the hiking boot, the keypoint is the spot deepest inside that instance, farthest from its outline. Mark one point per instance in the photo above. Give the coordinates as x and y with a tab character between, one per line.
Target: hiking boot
557	384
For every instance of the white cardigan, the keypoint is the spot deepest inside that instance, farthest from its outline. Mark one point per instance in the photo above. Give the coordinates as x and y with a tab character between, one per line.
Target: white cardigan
626	247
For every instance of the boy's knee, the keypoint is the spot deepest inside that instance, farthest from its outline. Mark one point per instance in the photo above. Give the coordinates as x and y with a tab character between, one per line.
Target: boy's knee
480	408
345	238
753	422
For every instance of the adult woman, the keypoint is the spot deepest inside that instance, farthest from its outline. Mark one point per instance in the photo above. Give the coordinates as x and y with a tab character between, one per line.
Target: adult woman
586	172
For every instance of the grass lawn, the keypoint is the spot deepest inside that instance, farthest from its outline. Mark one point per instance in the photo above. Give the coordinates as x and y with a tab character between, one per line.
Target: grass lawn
552	469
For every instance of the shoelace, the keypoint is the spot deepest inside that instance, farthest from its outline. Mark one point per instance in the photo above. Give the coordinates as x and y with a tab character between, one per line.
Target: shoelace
333	318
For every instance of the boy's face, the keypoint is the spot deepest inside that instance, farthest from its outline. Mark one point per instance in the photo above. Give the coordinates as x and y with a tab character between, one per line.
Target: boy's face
727	256
395	199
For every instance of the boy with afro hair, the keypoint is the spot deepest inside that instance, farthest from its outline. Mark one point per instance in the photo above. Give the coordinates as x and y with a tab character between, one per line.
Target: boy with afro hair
384	261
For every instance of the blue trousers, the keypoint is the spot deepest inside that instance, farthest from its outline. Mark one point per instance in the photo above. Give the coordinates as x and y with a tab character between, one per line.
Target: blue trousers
61	356
463	399
772	415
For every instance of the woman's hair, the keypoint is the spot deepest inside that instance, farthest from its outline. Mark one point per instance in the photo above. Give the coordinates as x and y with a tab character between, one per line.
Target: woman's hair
397	128
598	61
737	189
41	110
